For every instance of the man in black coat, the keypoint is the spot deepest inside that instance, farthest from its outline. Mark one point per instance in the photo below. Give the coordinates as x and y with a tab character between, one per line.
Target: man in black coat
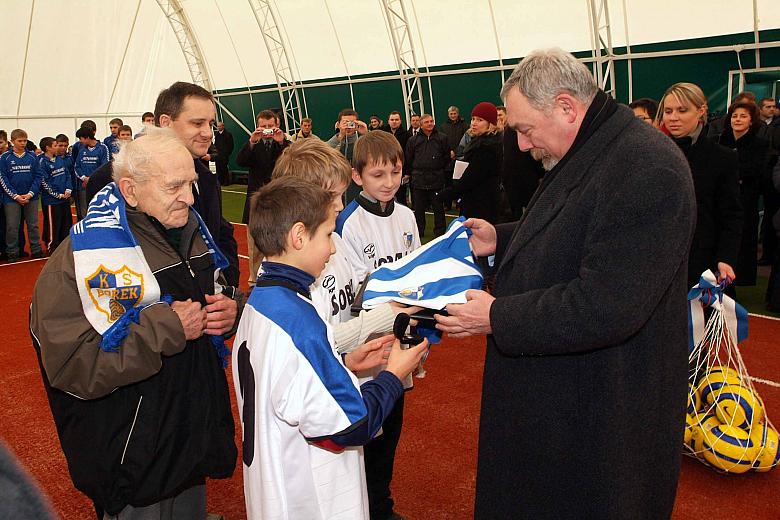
395	127
223	140
259	154
586	371
427	155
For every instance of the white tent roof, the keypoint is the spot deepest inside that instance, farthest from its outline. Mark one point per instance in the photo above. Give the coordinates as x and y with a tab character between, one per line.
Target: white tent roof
83	58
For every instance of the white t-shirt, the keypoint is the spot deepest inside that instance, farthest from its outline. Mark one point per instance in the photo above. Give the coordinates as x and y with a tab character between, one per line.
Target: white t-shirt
293	391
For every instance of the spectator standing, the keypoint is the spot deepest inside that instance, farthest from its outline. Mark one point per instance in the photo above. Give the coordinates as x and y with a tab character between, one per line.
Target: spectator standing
427	154
645	109
395	127
147	120
56	189
223	141
111	141
478	187
716	239
306	130
740	134
259	154
454	128
21	184
414	125
770	130
501	118
374	123
348	130
92	154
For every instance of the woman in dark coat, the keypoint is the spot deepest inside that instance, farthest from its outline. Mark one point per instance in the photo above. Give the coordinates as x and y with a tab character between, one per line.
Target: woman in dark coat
478	188
714	168
740	134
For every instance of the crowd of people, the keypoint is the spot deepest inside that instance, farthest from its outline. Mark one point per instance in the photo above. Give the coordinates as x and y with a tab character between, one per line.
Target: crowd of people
617	220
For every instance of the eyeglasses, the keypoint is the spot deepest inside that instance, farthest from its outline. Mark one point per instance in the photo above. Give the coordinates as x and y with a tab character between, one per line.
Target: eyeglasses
644	118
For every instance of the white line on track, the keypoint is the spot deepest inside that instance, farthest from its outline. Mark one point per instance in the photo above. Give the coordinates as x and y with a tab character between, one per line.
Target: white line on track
23	262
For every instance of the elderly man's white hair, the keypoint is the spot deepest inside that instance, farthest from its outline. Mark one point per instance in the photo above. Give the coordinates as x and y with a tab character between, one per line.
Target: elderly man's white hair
139	158
545	73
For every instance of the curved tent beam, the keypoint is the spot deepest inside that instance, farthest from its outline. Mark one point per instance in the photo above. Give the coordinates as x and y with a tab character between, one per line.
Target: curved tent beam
182	28
286	84
405	56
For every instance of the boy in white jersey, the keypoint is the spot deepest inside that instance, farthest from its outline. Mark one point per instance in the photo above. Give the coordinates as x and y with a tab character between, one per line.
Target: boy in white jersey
302	411
377	230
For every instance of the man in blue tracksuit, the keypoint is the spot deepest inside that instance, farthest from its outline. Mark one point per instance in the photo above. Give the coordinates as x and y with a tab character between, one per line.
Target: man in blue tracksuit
20	185
92	154
56	188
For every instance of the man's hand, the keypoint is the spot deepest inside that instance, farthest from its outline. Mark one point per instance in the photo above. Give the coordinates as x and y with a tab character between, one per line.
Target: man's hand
192	317
467	319
370	354
221	313
724	271
402	362
256	136
278	135
206	157
483	238
361	127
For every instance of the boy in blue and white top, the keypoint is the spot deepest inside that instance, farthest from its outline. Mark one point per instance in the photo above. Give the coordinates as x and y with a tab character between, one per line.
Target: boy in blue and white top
91	155
111	141
302	411
20	183
56	188
376	230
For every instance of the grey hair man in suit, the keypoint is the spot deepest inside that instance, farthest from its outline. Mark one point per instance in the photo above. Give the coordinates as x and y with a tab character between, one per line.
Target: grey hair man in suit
584	389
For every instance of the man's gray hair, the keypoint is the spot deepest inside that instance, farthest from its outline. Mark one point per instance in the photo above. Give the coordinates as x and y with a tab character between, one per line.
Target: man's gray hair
545	73
138	159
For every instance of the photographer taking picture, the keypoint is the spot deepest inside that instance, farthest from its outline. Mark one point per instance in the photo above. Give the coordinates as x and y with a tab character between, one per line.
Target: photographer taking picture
259	155
349	129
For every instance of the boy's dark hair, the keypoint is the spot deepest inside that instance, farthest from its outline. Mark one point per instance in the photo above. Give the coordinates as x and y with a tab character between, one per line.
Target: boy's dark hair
62	138
649	105
45	143
3	135
88	123
146	115
17	133
116	121
278	205
171	100
85	132
347	112
125	128
266	114
376	147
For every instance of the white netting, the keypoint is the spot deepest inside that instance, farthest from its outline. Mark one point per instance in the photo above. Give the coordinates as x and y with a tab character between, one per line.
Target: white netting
727	426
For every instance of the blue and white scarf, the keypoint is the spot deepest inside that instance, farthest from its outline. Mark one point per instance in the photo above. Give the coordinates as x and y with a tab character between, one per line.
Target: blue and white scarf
709	293
113	277
432	276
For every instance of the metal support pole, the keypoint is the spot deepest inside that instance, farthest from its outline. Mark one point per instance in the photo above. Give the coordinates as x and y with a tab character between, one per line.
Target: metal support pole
405	56
182	28
601	45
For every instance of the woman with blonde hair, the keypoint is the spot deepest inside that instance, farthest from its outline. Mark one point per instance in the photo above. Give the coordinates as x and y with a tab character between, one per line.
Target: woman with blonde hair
478	187
682	115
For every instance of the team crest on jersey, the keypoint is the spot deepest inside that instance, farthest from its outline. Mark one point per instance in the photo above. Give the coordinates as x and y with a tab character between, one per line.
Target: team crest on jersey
115	292
370	250
329	283
408	238
412	293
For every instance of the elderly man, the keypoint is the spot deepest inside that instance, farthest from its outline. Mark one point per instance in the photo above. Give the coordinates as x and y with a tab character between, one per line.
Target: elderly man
131	348
584	391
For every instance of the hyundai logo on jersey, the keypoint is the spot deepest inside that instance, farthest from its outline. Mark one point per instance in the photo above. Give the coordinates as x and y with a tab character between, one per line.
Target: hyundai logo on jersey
370	250
329	283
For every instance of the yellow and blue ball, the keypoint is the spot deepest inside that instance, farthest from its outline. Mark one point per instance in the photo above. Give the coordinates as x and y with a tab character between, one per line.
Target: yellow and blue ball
701	423
769	455
737	405
712	382
729	448
694	400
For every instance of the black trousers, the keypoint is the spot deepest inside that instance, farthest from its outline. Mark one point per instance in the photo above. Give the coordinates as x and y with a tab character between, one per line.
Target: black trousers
223	173
57	221
379	458
421	200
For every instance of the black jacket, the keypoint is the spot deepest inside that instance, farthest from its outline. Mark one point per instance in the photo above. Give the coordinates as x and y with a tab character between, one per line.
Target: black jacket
260	161
478	188
224	143
718	211
426	159
168	425
401	134
454	131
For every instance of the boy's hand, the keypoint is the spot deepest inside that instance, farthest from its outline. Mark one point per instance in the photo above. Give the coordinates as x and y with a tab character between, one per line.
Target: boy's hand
221	314
370	354
401	363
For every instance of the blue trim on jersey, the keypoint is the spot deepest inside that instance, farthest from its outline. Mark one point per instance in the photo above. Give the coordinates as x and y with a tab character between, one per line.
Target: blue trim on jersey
298	318
431	290
344	215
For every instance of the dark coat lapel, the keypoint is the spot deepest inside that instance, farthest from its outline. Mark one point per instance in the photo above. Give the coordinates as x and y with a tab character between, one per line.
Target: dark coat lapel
552	198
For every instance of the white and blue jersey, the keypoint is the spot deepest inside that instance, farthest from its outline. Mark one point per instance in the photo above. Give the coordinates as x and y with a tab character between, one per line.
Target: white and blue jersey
301	410
112	143
90	159
55	179
374	236
334	291
19	175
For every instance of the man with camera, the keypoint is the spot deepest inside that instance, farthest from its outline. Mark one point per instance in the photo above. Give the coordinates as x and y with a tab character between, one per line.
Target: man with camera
348	130
259	154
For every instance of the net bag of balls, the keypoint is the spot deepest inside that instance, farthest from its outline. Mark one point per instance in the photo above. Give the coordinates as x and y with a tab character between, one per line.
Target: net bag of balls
727	426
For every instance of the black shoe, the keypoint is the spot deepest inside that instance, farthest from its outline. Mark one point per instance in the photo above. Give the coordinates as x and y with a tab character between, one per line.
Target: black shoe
13	259
764	261
24	254
39	254
395	516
